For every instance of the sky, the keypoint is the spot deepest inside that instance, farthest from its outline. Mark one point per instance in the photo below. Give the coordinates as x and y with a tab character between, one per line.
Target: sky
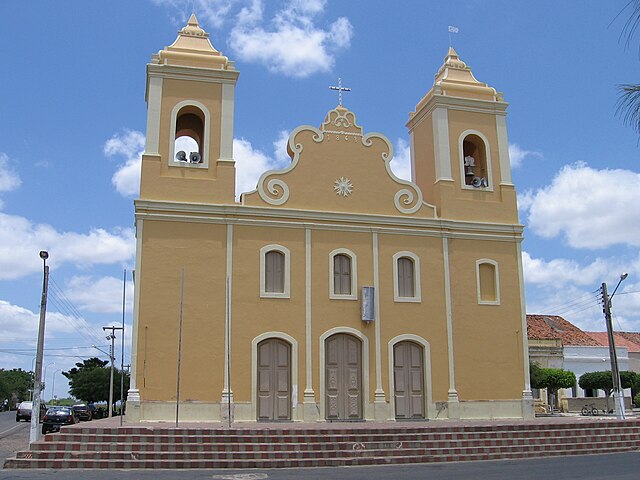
73	117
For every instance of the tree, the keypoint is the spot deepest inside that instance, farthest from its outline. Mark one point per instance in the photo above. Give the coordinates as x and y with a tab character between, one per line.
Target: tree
628	105
536	375
90	381
15	385
597	381
557	378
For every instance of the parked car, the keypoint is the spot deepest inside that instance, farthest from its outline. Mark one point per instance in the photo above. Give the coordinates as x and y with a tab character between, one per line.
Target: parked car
83	412
23	412
57	417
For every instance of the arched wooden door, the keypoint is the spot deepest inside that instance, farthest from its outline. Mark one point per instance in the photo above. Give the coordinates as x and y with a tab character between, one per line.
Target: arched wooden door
343	377
408	375
274	380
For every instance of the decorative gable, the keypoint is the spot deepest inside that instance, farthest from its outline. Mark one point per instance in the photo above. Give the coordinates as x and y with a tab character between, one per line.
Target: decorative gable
338	168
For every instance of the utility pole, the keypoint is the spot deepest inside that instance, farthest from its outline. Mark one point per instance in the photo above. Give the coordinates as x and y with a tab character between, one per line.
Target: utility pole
37	384
618	397
111	337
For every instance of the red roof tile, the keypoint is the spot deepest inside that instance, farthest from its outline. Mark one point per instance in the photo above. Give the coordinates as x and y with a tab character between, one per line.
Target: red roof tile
553	326
619	338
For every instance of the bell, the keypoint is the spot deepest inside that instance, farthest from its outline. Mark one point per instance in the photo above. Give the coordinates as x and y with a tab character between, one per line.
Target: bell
469	172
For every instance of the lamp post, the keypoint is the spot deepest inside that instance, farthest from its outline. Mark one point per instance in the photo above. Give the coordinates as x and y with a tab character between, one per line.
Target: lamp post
35	406
618	397
53	384
45	378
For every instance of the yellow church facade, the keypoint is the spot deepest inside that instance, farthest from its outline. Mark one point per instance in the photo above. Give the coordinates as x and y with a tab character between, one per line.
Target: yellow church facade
334	291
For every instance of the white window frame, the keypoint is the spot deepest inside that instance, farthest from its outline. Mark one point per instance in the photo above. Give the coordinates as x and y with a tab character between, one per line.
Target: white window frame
205	142
287	271
417	290
354	275
496	280
487	153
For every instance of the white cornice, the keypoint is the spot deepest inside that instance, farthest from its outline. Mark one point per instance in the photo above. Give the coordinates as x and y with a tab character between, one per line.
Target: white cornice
456	103
288	218
192	73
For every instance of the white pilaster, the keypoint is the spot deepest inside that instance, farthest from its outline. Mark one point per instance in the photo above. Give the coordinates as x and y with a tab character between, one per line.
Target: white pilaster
226	124
311	412
380	402
503	149
452	395
133	395
441	146
528	409
154	104
227	393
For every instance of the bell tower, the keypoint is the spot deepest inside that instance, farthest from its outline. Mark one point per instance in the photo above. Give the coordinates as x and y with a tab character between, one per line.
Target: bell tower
459	147
190	103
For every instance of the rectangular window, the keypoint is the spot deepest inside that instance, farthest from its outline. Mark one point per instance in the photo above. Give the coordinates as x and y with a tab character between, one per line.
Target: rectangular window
341	275
406	287
274	272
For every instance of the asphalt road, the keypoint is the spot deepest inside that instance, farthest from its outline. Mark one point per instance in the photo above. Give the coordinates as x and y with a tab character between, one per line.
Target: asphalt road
13	436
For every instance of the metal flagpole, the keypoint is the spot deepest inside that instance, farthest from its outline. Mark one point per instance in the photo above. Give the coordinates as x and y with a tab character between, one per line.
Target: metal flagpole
124	292
179	349
229	349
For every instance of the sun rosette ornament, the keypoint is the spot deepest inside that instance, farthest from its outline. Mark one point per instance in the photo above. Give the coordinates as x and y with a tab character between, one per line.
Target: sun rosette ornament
343	187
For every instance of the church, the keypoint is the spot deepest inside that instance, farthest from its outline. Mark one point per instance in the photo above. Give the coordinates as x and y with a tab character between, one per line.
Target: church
334	291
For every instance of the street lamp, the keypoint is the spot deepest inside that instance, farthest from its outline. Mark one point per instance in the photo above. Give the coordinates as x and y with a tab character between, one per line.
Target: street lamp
618	397
35	406
45	378
53	384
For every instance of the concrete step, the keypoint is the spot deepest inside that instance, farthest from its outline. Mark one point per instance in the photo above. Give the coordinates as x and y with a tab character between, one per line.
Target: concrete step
298	462
87	446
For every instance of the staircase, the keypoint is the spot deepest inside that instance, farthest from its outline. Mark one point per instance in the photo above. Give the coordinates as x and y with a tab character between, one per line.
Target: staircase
157	446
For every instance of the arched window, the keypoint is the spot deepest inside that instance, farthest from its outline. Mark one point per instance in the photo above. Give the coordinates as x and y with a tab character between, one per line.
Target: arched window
189	135
406	277
274	271
475	161
488	282
343	275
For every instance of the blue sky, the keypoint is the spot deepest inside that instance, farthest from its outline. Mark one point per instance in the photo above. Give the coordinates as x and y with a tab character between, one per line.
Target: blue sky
72	117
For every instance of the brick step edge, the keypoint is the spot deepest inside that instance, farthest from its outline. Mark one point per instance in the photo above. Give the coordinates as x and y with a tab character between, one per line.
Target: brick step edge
294	463
75	447
68	436
319	454
400	428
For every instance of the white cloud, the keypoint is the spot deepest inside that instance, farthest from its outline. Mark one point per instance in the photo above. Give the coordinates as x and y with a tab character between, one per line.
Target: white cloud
9	180
401	161
572	290
250	164
292	44
18	324
99	295
130	145
517	155
591	208
21	240
282	158
559	272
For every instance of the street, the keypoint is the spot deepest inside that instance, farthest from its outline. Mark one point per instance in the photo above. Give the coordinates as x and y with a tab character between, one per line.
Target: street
13	436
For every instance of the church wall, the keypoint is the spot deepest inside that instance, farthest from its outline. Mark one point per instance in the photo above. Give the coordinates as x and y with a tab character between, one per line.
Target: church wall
337	313
426	318
252	315
423	158
200	250
487	338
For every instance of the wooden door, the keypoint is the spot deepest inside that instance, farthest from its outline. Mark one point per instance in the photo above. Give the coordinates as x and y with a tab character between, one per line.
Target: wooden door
274	380
343	377
408	371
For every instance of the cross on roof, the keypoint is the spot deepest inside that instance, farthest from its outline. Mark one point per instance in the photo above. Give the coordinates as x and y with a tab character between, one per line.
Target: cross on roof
340	89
